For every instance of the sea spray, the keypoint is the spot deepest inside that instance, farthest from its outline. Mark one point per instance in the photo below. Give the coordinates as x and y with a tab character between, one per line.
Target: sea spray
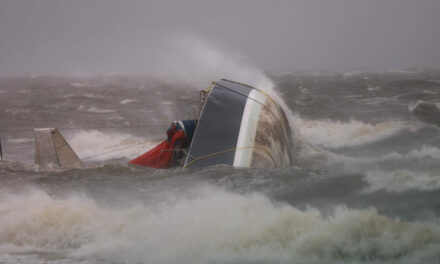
191	59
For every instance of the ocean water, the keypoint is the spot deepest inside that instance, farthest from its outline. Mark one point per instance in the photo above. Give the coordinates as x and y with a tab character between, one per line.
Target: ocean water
364	186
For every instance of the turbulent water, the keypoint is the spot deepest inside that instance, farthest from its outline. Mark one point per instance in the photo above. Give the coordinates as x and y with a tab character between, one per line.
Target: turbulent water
364	187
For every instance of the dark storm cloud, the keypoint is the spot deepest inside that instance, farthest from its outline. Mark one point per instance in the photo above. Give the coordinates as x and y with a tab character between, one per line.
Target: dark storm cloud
109	36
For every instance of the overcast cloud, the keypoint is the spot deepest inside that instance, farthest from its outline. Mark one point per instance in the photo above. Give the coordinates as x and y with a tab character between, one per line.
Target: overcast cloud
144	37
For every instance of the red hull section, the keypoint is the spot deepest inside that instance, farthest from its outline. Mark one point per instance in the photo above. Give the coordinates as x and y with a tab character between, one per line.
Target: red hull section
159	157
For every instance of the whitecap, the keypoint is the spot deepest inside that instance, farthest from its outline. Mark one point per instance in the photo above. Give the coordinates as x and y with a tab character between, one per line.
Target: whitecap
429	92
373	88
403	180
77	84
415	154
337	134
16	111
91	96
126	101
424	107
100	110
208	226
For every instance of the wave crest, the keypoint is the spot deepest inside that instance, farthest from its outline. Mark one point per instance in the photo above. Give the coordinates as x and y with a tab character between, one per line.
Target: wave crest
210	226
336	134
403	180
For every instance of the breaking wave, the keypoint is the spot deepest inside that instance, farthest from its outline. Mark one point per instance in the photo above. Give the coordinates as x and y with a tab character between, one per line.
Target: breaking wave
415	154
100	111
424	107
126	101
209	226
337	134
403	180
426	111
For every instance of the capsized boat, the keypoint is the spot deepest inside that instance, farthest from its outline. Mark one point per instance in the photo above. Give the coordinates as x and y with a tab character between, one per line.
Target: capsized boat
235	124
238	125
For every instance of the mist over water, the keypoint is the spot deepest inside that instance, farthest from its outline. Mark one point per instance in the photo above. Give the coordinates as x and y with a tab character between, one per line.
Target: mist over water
364	186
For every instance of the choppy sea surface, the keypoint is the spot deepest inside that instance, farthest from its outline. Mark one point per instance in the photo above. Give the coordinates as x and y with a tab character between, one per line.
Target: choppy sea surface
364	186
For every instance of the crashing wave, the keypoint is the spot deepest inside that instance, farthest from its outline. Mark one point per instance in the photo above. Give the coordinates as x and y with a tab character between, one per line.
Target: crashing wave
403	180
213	226
427	111
336	134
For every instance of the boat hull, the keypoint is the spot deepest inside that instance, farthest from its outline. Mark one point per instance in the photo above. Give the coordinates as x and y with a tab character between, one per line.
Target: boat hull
240	126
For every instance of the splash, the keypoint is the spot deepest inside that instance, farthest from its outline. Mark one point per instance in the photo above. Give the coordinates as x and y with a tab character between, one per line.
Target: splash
189	58
210	225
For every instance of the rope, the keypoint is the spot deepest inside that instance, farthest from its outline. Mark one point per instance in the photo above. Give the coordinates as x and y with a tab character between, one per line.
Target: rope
113	150
229	150
261	91
163	123
80	128
273	102
278	117
270	98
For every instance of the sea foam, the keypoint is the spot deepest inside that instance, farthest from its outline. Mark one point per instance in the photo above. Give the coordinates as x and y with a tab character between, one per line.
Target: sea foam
337	134
211	225
403	180
424	152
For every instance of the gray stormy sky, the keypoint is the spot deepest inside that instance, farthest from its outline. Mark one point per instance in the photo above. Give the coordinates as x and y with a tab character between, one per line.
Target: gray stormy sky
134	36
